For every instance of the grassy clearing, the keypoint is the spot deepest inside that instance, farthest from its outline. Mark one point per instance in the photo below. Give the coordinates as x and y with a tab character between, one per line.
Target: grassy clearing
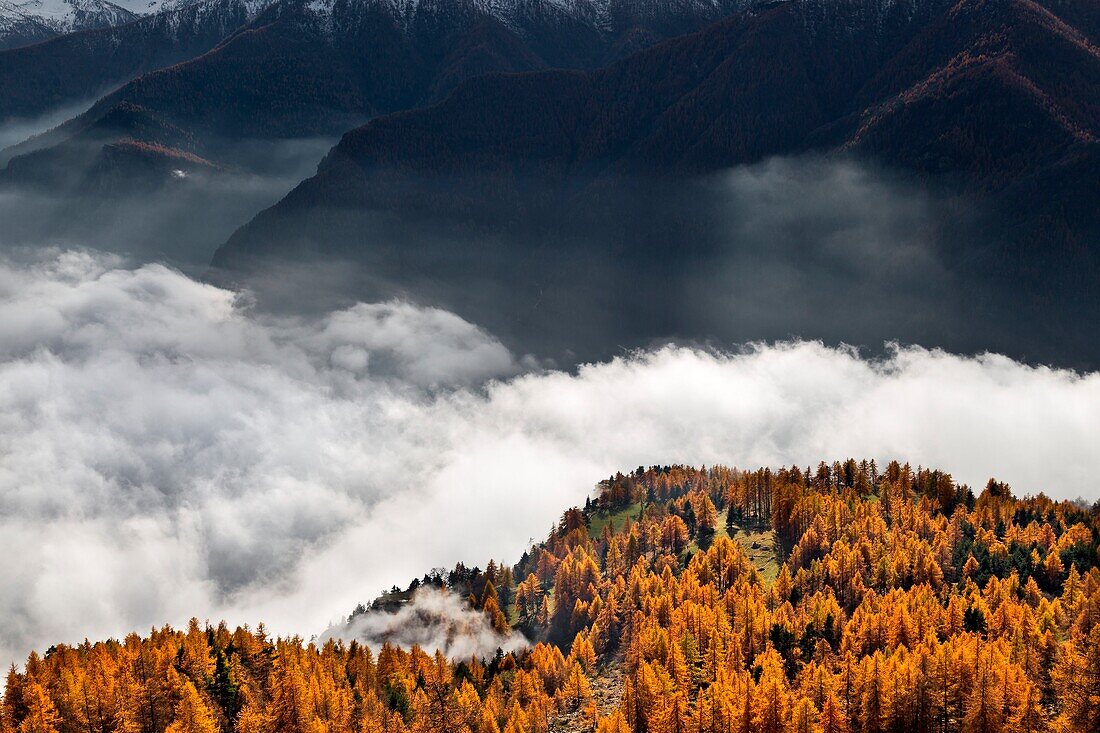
695	547
599	520
758	542
760	545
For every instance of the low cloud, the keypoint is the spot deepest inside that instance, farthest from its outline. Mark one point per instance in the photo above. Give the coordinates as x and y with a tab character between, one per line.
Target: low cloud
165	451
175	217
434	620
16	130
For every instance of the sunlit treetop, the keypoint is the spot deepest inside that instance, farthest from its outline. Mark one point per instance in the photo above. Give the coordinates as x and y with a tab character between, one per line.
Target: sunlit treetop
840	598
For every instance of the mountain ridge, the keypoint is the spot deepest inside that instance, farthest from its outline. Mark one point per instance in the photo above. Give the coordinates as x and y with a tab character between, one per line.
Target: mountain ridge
68	69
983	97
580	34
23	22
302	69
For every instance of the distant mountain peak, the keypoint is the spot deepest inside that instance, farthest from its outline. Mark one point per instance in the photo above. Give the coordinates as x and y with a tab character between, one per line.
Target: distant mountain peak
29	21
517	15
26	22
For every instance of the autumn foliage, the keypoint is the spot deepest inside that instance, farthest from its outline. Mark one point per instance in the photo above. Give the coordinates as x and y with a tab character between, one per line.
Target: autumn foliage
902	602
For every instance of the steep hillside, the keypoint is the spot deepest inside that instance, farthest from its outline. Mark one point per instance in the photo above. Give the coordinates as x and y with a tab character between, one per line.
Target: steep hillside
383	55
995	101
988	91
305	69
113	154
77	67
904	601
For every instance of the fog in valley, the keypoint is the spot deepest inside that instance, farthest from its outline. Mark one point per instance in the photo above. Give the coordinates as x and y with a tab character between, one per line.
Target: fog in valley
809	247
191	448
177	217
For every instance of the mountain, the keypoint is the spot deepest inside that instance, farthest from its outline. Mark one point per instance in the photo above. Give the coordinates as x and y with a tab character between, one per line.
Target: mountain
993	91
252	105
301	67
305	69
126	134
995	103
677	599
23	22
77	67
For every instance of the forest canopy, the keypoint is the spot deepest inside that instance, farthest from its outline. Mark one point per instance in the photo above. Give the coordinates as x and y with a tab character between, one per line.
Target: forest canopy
838	599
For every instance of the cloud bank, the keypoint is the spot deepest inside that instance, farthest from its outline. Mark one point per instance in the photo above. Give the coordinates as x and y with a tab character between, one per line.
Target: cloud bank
434	620
165	451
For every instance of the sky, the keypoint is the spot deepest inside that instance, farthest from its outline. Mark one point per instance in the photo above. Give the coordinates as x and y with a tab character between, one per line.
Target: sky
168	450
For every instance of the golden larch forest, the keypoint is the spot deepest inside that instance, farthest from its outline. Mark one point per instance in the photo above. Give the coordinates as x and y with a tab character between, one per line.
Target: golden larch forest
841	599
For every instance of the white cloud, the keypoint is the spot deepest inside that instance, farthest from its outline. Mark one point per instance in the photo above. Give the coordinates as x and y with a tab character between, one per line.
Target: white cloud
165	452
434	619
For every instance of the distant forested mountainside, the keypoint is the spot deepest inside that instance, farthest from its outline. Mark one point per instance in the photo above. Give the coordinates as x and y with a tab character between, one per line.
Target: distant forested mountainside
991	104
23	22
992	93
27	22
240	69
838	599
79	67
226	95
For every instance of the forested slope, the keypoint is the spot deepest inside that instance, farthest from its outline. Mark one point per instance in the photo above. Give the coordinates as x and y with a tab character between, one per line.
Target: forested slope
987	105
903	603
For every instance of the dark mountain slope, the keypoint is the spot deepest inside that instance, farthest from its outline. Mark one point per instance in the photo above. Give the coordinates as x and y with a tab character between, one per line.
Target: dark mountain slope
98	147
78	66
993	90
761	84
991	101
287	74
388	54
302	69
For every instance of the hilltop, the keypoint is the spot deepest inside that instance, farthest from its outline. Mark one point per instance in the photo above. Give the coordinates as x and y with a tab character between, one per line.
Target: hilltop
842	598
